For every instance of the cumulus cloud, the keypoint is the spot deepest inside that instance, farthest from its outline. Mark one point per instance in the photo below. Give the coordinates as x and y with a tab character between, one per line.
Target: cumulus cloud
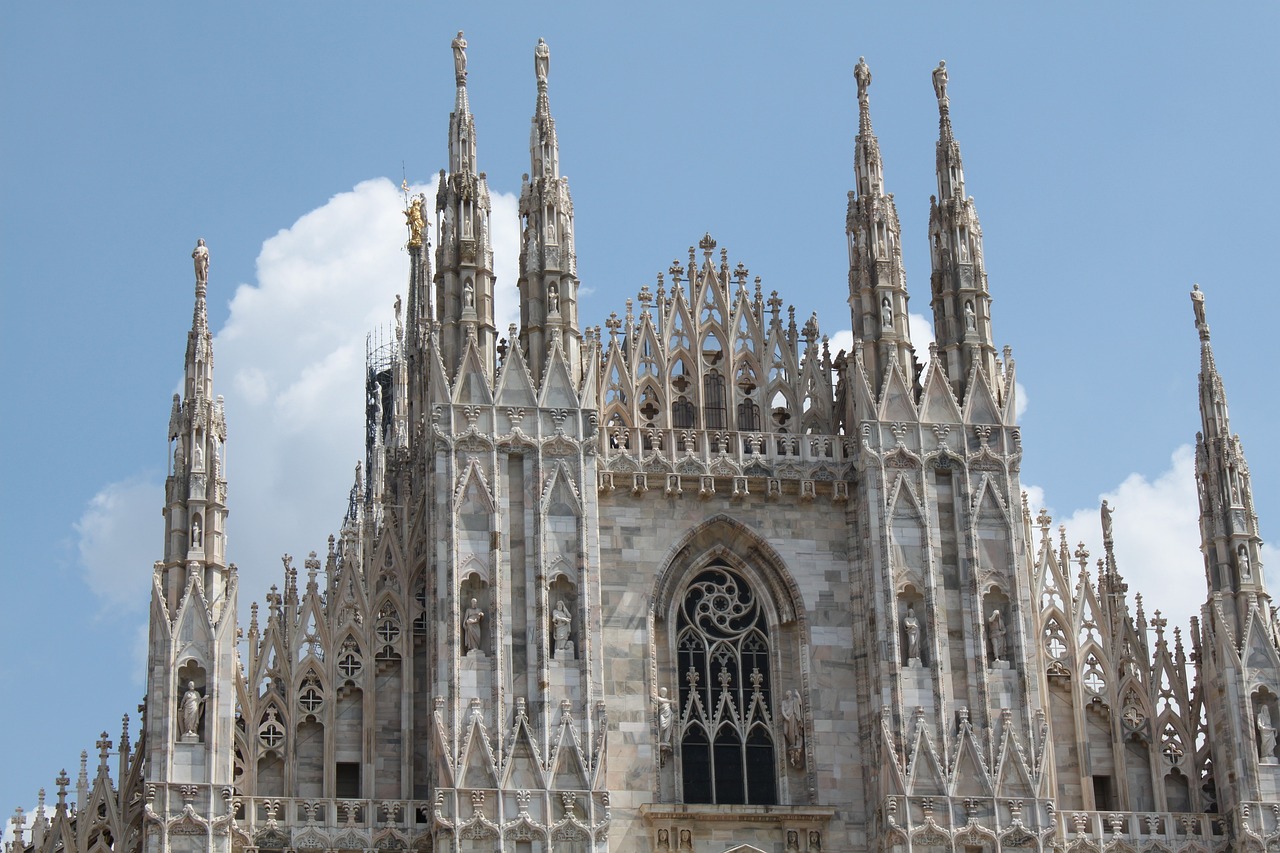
1157	537
118	534
290	362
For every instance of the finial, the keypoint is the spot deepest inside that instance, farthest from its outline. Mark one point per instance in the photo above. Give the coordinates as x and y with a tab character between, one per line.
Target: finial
940	82
460	59
862	73
541	63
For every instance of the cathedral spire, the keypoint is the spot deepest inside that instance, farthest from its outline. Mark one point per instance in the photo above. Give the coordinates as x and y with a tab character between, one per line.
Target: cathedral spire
548	266
961	303
877	282
464	254
195	511
1228	523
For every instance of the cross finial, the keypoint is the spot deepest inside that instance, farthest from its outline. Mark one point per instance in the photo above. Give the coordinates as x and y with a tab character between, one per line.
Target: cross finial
104	748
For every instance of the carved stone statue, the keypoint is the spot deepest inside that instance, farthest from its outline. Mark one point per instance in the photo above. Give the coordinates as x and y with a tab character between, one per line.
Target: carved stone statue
561	625
1242	560
1266	734
792	727
912	626
970	318
197	535
541	61
1106	523
553	299
940	80
201	256
996	631
469	295
862	73
460	58
886	312
666	716
189	709
1197	304
471	627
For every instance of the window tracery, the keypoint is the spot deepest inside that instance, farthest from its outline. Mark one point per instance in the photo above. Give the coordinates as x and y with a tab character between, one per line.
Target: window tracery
723	663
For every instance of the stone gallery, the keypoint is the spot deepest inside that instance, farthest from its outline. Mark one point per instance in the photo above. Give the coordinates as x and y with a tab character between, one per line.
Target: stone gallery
687	581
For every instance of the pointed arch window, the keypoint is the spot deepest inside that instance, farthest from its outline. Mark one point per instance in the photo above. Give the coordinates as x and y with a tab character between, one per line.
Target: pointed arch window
722	659
713	400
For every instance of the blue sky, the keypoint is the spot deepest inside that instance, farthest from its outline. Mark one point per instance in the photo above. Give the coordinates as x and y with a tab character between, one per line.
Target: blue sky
1117	154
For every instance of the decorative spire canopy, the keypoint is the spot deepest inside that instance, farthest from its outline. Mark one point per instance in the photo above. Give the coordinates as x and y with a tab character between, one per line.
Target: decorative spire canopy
961	304
877	283
548	264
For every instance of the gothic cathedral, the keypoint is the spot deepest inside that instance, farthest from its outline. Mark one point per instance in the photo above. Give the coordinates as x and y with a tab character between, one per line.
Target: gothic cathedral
687	583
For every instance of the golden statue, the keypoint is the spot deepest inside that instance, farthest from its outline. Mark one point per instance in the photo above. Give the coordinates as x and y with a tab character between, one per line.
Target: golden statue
417	223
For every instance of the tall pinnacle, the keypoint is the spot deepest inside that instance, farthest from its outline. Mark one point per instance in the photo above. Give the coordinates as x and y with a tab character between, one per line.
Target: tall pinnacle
877	283
961	303
1228	524
464	254
548	265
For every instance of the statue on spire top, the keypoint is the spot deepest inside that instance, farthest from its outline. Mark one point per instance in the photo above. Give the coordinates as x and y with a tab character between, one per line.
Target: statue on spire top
541	61
940	80
862	73
201	258
460	58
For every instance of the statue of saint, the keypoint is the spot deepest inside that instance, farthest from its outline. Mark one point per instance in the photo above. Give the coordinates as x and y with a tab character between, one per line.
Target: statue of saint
886	312
541	61
553	299
862	73
940	80
793	727
912	626
469	295
1242	560
201	256
471	628
995	630
1106	523
561	625
1197	303
197	535
460	58
189	711
666	716
1266	734
970	318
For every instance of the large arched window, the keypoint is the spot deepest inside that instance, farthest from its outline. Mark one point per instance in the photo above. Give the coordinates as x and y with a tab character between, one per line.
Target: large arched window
722	663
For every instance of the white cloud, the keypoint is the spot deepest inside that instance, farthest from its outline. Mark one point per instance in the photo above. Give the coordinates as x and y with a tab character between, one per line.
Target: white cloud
1157	537
921	338
119	534
290	362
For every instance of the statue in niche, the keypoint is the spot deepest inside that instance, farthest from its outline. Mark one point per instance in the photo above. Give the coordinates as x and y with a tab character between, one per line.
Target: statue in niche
460	58
793	840
553	299
666	716
471	628
686	839
561	626
886	312
1266	734
1242	559
197	535
201	257
940	80
792	727
912	626
189	708
996	631
469	295
970	318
